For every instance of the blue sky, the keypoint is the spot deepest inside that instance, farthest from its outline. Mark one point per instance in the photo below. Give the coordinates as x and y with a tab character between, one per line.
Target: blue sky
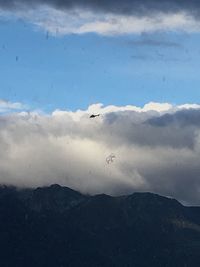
71	71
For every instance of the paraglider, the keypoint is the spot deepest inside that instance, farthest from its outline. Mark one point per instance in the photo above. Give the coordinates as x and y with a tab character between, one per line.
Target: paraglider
110	158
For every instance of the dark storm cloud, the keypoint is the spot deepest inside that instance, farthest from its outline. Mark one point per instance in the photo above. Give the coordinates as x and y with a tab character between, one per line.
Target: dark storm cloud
177	130
136	7
182	118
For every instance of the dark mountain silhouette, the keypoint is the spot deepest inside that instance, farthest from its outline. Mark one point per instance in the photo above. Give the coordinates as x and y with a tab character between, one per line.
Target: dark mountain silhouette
56	227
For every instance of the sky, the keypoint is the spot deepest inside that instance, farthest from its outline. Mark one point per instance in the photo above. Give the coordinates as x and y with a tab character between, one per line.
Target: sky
48	61
136	63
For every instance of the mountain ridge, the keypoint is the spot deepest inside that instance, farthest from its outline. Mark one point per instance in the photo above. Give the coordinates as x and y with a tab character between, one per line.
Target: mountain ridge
57	226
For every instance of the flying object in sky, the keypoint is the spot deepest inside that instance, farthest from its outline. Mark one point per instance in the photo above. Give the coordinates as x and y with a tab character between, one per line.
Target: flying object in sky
94	115
110	158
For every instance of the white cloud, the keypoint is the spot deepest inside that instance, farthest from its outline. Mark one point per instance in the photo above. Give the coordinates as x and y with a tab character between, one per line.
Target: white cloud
6	106
99	108
189	106
80	21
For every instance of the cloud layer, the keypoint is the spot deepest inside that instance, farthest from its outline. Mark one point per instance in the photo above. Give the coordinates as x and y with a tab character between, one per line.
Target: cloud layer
157	149
106	17
127	7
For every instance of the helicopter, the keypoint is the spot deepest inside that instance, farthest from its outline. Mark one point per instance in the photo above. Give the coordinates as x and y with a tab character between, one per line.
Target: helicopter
94	116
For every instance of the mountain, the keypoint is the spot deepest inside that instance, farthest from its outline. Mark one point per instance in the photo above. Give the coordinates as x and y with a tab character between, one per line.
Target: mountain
58	227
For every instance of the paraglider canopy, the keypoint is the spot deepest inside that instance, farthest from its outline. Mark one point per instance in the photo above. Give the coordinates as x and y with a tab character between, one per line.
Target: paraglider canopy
110	158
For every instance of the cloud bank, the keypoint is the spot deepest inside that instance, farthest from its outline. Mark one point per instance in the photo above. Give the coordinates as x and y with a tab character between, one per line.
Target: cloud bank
106	17
136	7
156	148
